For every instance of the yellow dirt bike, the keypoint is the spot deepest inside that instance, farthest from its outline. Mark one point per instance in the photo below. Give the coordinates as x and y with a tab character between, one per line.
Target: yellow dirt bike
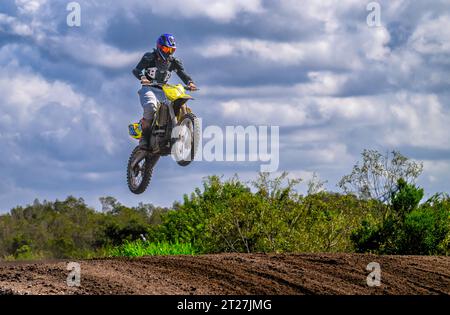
175	130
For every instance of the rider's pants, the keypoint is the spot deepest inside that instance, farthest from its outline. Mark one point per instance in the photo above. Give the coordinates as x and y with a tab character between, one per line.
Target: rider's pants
149	97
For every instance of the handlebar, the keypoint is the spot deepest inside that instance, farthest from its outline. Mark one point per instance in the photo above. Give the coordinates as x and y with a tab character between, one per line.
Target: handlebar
160	84
189	89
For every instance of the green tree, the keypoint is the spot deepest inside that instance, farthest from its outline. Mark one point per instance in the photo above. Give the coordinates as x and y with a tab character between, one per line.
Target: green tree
410	228
377	175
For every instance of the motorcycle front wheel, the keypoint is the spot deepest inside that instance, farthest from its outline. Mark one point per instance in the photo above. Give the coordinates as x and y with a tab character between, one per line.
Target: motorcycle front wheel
188	137
139	170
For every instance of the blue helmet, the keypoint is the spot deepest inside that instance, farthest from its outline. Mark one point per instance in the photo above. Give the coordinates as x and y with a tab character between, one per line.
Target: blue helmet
165	45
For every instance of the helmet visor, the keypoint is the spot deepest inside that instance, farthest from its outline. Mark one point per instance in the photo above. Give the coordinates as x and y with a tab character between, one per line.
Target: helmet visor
167	50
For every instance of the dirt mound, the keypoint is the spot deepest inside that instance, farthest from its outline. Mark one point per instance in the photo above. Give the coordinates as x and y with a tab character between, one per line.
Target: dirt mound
233	274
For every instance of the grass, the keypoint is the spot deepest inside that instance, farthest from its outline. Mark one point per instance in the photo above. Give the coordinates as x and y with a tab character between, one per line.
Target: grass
140	248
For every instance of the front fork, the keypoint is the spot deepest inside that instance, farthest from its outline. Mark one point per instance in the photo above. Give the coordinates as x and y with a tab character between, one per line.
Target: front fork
183	111
173	117
172	114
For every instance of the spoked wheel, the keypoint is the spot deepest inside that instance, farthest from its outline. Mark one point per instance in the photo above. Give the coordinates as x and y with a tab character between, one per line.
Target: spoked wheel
188	136
140	169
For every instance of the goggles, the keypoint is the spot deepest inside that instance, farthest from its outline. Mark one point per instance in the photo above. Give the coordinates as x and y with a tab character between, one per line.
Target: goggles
167	50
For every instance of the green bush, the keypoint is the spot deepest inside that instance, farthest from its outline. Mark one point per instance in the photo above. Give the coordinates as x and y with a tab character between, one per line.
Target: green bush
70	229
141	248
426	229
266	216
405	198
409	228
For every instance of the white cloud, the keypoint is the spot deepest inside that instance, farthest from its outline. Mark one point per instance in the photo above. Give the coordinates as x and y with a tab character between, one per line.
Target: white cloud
331	153
217	10
330	12
434	169
303	110
375	44
325	50
91	51
432	36
25	95
29	6
263	112
34	20
411	119
221	11
12	25
38	22
55	134
285	53
418	120
322	83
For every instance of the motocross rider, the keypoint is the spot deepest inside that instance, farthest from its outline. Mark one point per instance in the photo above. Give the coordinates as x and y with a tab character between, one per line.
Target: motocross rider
153	70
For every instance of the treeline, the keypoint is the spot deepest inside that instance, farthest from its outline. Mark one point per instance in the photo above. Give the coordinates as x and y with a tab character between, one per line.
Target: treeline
381	211
227	216
71	229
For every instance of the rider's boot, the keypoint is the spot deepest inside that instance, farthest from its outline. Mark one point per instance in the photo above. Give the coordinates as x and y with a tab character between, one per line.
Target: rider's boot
145	125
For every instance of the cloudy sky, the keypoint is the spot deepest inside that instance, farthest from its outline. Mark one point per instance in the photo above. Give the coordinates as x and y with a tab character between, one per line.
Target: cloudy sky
333	84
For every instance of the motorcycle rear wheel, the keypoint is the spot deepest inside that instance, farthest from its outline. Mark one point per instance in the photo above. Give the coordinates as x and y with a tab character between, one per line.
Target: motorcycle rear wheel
138	177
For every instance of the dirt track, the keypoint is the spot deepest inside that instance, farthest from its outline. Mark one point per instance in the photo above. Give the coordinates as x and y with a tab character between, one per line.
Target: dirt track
233	274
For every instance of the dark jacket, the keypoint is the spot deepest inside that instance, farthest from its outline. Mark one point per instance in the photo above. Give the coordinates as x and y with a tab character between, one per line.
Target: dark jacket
157	70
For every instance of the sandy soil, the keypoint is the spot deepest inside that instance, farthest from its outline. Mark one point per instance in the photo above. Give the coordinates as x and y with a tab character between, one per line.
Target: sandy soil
236	274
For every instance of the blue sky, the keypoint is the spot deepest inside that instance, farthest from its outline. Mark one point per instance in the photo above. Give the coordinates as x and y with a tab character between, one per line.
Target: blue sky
333	84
